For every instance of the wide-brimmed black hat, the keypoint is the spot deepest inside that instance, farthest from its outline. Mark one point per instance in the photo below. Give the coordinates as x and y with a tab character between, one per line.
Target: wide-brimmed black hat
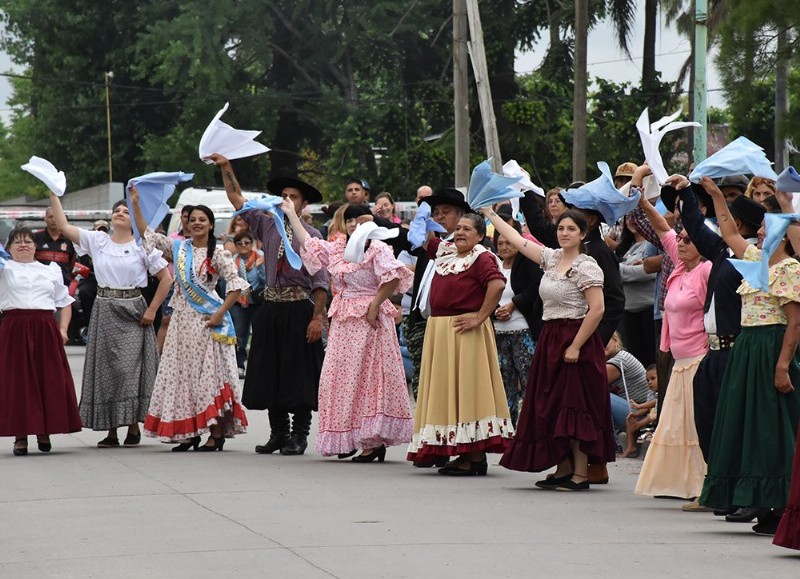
309	193
448	196
669	194
748	211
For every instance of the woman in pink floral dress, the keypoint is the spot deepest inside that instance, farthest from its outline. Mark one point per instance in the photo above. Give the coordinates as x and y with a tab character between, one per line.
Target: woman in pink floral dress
197	387
363	399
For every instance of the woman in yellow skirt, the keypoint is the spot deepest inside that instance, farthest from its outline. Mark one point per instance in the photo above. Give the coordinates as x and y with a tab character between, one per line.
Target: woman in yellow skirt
461	406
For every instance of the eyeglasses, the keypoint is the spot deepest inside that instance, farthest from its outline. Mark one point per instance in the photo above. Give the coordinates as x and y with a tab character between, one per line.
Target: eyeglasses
244	242
23	241
684	239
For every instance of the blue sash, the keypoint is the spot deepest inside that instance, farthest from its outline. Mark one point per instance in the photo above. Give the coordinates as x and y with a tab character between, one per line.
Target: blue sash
196	296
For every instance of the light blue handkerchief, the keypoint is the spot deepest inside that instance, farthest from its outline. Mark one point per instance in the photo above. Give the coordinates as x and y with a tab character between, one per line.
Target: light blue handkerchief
272	205
756	273
742	156
487	188
422	225
788	181
602	196
154	189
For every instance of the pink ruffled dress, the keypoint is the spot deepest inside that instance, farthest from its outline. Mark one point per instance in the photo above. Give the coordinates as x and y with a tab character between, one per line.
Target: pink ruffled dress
363	397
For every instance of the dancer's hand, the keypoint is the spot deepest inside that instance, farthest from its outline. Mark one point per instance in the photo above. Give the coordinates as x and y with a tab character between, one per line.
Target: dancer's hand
466	323
783	383
314	331
572	354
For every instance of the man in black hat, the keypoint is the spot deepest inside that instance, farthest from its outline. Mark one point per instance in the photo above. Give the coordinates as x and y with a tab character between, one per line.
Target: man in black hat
286	351
447	207
722	311
732	186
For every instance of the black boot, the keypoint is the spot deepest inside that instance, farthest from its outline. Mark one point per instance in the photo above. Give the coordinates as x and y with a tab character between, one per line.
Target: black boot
301	424
279	432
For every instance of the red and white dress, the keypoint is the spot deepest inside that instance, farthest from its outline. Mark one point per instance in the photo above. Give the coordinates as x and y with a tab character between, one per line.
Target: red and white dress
363	397
198	379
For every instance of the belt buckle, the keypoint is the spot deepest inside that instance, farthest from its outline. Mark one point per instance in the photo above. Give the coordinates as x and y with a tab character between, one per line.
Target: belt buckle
713	342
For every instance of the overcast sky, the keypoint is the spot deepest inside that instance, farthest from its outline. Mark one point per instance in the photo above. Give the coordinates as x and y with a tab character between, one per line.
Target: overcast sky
605	59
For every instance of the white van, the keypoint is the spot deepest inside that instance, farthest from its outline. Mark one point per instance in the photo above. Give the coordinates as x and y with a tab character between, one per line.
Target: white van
216	199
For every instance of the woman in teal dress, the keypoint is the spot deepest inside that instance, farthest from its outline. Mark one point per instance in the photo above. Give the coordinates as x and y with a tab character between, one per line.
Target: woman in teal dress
752	445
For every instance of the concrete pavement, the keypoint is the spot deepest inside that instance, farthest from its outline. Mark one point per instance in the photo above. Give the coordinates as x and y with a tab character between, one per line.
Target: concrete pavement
146	512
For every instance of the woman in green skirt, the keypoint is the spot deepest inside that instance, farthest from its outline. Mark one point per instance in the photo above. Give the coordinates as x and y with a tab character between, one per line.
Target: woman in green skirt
752	445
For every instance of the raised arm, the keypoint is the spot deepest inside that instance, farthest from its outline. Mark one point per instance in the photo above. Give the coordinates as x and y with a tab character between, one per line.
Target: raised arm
526	247
793	232
229	180
138	218
297	225
538	223
709	244
656	220
70	231
727	227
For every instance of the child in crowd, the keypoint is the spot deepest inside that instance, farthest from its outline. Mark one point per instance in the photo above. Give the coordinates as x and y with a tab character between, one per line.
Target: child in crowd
642	415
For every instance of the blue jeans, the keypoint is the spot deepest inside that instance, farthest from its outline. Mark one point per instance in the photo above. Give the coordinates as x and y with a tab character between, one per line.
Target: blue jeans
619	414
242	322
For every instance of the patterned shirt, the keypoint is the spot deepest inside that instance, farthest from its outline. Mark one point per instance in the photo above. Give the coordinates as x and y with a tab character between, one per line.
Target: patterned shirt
761	308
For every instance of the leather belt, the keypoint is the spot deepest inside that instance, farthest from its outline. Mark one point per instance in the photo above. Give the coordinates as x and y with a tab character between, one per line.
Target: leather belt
285	294
717	342
108	292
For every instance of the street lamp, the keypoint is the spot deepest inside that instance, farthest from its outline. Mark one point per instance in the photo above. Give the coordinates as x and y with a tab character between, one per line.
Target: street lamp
108	76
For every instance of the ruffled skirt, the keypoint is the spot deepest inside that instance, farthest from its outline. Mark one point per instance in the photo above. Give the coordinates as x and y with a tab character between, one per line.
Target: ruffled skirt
363	397
461	404
563	402
197	384
755	431
674	464
788	534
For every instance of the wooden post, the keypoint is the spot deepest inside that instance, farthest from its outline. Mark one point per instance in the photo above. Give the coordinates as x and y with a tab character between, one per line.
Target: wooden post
478	57
580	89
460	93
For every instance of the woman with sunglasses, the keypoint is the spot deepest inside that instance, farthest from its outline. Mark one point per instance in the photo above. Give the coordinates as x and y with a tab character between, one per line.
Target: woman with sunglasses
674	464
250	265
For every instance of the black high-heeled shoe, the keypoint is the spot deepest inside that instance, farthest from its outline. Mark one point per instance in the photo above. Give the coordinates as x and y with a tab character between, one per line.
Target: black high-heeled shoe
343	455
478	468
44	446
218	444
439	462
379	453
193	442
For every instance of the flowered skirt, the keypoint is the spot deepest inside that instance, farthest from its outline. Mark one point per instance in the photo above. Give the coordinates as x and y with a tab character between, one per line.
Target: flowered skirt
461	404
674	464
563	402
37	395
363	396
755	431
197	384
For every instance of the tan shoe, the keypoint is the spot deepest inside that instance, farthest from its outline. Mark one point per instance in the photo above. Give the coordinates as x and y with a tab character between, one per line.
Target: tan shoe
695	507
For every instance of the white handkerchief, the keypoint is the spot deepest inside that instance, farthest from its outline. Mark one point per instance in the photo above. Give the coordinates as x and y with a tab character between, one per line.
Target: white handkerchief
651	136
44	170
354	252
513	169
231	143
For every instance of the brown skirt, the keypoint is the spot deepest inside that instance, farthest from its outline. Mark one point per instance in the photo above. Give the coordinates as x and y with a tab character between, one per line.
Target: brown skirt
37	394
461	405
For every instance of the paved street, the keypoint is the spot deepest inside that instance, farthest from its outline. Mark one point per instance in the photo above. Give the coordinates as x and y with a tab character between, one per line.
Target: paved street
146	512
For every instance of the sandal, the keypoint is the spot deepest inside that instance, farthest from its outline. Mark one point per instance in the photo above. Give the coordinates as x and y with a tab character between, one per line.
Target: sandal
21	447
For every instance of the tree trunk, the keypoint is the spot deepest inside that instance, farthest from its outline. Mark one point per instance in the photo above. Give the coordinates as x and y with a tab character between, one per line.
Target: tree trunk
649	59
579	97
781	99
460	93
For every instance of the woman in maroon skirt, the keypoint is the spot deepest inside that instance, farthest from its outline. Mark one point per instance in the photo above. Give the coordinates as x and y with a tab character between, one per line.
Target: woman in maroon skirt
37	395
566	414
788	533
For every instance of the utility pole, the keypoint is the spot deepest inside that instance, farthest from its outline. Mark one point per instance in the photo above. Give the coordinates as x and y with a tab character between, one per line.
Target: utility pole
109	75
700	48
580	88
478	55
460	93
781	98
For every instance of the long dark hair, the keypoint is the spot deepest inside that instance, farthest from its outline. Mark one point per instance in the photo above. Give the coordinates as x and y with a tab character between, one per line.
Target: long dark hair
212	239
17	233
579	220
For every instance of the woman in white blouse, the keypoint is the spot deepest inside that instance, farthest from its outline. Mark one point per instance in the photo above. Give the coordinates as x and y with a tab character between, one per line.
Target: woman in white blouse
37	394
121	354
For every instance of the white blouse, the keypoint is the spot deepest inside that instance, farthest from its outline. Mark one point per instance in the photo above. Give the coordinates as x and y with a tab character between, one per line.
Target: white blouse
120	265
32	286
